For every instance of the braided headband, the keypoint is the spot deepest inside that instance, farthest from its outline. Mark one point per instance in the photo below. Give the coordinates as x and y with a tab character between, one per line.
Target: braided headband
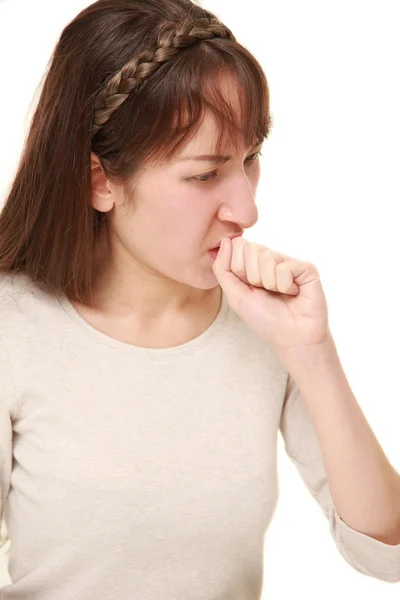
170	42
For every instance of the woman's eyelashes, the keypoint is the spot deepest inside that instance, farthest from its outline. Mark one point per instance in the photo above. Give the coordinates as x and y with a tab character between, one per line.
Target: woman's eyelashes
210	176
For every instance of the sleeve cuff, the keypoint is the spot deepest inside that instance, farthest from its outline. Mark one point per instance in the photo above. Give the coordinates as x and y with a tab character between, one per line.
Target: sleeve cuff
366	554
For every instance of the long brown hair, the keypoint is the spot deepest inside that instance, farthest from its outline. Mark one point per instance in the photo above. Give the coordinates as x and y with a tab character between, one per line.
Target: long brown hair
120	79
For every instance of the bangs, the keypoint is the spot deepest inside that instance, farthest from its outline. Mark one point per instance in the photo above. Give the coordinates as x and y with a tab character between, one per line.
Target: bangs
222	78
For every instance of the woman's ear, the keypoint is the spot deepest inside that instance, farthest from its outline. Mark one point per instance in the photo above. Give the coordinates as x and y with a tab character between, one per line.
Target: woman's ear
102	194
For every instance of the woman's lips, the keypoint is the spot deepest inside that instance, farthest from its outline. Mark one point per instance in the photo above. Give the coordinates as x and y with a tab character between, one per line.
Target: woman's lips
213	253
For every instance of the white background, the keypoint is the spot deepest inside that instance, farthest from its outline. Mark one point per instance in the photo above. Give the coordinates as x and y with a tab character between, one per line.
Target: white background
329	193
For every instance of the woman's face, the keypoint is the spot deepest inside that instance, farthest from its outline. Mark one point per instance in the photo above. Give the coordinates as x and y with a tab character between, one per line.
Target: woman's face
183	208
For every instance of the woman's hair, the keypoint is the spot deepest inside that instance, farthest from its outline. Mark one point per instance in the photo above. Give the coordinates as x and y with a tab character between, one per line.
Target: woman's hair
128	80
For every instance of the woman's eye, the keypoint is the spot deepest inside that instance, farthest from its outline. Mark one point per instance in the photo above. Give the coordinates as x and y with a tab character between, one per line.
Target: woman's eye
209	176
206	177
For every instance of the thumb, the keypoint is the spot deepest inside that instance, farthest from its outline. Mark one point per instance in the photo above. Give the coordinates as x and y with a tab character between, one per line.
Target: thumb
233	287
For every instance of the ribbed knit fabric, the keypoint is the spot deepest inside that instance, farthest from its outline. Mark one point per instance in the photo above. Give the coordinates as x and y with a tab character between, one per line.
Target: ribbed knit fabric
129	473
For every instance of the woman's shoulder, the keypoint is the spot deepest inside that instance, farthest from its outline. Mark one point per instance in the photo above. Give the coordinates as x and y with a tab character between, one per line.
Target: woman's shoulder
29	318
22	300
13	287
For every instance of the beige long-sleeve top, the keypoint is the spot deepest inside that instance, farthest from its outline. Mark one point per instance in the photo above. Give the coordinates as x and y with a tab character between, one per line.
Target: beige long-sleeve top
148	474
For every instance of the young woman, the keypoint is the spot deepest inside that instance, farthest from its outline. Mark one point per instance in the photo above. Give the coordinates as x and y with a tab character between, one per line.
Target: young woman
139	413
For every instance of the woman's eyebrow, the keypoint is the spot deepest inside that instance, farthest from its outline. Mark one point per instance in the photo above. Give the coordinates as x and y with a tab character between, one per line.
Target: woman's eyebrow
213	158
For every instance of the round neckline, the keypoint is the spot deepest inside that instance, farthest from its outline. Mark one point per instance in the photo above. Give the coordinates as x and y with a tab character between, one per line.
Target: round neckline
139	351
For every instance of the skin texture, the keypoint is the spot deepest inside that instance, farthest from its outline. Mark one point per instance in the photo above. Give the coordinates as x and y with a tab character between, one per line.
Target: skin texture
154	262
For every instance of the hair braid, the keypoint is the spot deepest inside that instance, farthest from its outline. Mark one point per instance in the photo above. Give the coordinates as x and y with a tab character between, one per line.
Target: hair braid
133	73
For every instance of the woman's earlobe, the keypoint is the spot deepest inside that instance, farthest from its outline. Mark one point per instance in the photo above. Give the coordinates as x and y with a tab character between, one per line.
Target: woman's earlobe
102	194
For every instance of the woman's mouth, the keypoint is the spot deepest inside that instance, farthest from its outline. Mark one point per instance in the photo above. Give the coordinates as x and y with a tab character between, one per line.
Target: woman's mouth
213	253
